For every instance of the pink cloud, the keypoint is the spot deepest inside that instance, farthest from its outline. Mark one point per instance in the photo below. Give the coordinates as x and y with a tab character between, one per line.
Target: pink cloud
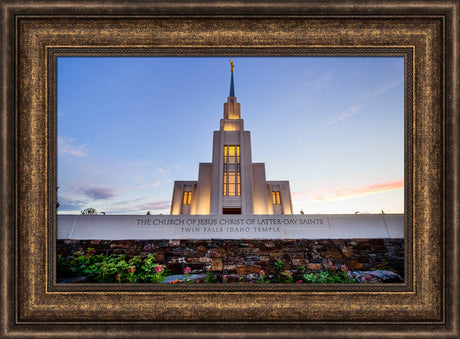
67	146
348	192
97	192
370	189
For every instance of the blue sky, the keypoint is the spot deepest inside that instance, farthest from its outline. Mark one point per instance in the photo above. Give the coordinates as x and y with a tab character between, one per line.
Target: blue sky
129	126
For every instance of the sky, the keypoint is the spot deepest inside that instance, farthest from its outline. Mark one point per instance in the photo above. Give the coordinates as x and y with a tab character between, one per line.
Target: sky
129	126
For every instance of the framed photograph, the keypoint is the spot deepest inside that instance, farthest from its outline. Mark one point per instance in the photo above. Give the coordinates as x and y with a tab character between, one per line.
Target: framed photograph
36	39
126	158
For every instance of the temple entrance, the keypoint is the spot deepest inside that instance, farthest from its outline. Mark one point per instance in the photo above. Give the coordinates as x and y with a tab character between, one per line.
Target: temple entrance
231	210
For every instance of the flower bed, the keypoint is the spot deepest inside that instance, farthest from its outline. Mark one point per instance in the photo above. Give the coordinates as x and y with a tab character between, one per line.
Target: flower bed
99	268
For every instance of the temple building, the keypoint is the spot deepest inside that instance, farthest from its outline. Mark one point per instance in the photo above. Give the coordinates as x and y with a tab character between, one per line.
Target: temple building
232	183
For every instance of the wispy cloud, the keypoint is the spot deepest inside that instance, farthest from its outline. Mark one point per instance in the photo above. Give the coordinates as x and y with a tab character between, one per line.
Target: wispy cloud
352	110
93	197
380	90
320	82
70	205
97	193
355	108
138	206
163	175
67	146
351	192
155	205
70	201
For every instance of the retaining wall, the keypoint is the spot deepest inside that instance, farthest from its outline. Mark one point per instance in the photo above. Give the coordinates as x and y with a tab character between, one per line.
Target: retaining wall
243	257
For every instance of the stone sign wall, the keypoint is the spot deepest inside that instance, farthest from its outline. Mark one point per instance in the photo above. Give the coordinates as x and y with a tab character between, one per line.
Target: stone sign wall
331	226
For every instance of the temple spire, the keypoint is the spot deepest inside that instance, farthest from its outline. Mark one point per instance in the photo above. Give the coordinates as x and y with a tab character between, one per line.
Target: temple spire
232	86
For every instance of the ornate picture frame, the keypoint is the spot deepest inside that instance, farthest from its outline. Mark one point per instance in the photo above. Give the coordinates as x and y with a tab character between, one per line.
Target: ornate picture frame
34	305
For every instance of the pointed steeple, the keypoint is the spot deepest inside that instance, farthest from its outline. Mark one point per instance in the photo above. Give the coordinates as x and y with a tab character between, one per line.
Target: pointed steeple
231	107
232	85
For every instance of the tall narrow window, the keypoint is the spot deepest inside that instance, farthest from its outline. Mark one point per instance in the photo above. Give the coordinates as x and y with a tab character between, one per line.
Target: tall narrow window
232	171
187	198
276	198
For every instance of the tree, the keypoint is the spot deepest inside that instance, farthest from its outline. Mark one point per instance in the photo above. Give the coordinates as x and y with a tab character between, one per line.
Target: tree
57	202
302	212
148	213
89	211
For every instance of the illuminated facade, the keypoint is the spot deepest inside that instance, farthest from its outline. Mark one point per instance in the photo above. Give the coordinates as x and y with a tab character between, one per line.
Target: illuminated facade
232	183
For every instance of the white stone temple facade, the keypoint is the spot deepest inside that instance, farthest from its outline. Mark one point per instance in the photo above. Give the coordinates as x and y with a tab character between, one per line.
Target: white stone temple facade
232	183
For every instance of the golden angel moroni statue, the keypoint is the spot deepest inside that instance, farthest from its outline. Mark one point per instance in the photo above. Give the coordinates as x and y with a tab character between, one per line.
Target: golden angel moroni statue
232	65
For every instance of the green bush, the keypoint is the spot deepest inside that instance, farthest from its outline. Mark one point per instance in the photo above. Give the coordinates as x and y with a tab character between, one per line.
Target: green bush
111	269
331	275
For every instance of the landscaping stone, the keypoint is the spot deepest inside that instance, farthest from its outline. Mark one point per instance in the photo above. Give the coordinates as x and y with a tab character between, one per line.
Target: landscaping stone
298	262
269	244
276	256
336	255
216	264
120	244
357	266
182	278
377	276
150	247
243	269
76	280
174	243
252	276
217	252
315	267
